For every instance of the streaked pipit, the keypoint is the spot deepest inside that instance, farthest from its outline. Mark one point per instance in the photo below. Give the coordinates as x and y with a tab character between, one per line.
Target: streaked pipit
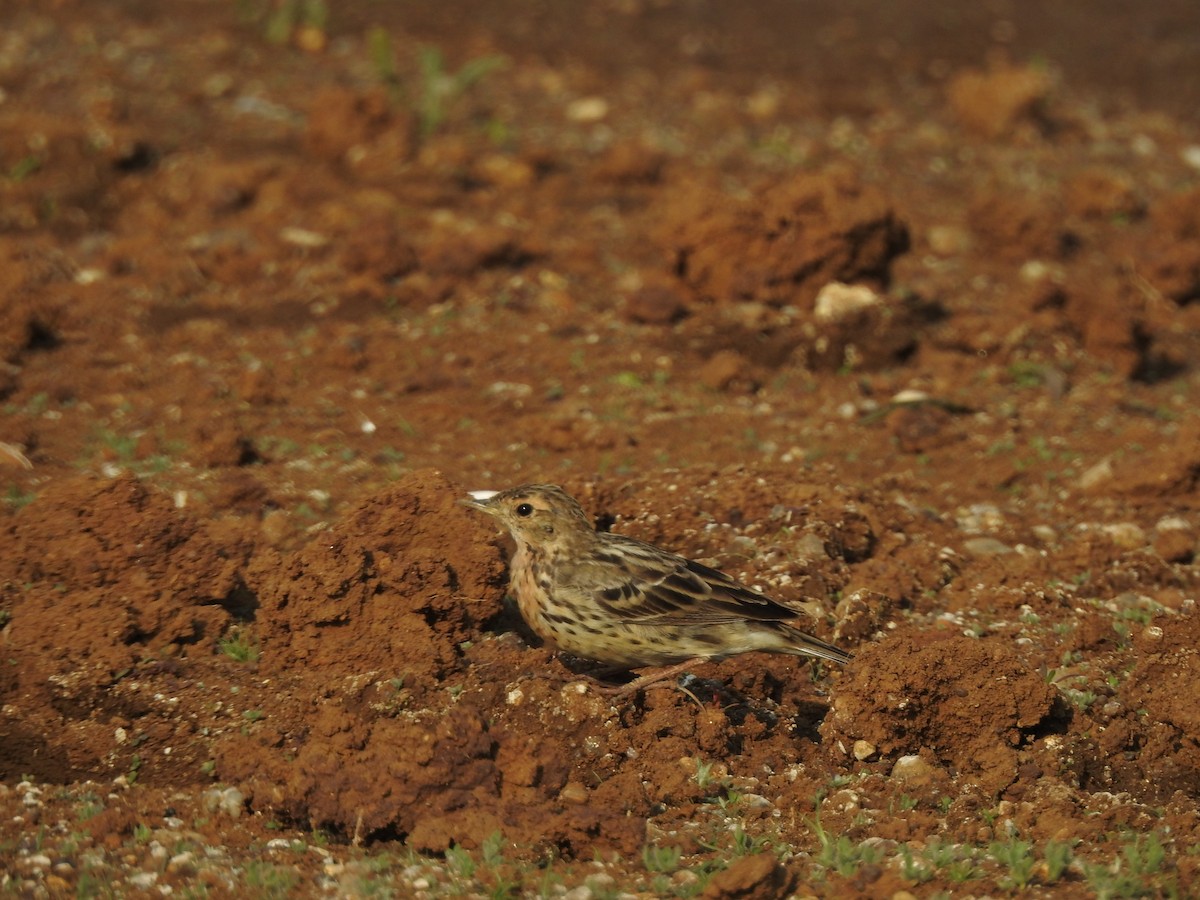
621	601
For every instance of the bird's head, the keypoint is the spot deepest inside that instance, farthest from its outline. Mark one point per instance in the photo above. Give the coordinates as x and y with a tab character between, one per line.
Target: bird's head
539	515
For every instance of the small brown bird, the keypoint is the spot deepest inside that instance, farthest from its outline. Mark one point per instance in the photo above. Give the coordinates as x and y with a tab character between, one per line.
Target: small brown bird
621	601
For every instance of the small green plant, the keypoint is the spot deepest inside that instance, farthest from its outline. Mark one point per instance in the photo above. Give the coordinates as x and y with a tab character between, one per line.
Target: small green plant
840	854
142	833
661	859
379	48
1058	856
954	861
253	715
1027	374
94	884
745	844
630	380
1143	854
1017	856
122	446
438	89
1142	615
17	498
460	863
962	870
1131	874
441	89
493	850
1001	447
292	15
24	167
1081	699
267	880
729	800
89	807
910	869
239	646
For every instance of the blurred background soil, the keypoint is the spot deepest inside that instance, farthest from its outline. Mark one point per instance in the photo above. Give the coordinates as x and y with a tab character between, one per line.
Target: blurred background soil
893	312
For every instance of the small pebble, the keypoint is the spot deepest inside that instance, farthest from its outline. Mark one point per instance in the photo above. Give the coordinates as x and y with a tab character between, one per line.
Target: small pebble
912	770
573	792
1126	535
1096	475
864	750
587	110
837	301
986	546
182	863
1044	533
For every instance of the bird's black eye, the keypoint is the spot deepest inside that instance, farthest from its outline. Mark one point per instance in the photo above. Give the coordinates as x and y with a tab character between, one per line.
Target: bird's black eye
525	509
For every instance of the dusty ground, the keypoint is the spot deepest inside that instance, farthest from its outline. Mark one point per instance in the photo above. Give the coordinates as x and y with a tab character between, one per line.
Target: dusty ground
273	294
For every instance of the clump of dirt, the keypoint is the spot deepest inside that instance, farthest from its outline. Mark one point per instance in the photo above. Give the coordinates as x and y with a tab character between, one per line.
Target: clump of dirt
1152	720
123	573
1171	253
395	587
970	704
999	99
786	242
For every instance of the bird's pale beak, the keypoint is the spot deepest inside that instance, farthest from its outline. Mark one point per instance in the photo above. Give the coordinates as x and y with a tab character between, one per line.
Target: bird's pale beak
478	500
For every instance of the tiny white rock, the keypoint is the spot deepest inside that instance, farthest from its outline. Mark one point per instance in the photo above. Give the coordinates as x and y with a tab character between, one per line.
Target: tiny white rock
1096	474
910	396
587	109
837	301
1172	523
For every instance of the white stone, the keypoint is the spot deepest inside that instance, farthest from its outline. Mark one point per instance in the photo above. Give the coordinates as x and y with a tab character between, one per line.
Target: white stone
1096	474
587	109
837	301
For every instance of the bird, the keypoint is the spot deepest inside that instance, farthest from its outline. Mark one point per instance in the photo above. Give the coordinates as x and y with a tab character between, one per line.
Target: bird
626	603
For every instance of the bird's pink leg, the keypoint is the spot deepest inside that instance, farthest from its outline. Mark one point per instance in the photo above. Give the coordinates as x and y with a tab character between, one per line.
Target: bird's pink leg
652	678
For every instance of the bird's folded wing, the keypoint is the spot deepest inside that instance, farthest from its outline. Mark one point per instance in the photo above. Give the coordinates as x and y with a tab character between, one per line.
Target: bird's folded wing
640	584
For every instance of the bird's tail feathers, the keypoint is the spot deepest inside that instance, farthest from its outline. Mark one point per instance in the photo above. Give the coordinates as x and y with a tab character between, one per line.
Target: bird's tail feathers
802	644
